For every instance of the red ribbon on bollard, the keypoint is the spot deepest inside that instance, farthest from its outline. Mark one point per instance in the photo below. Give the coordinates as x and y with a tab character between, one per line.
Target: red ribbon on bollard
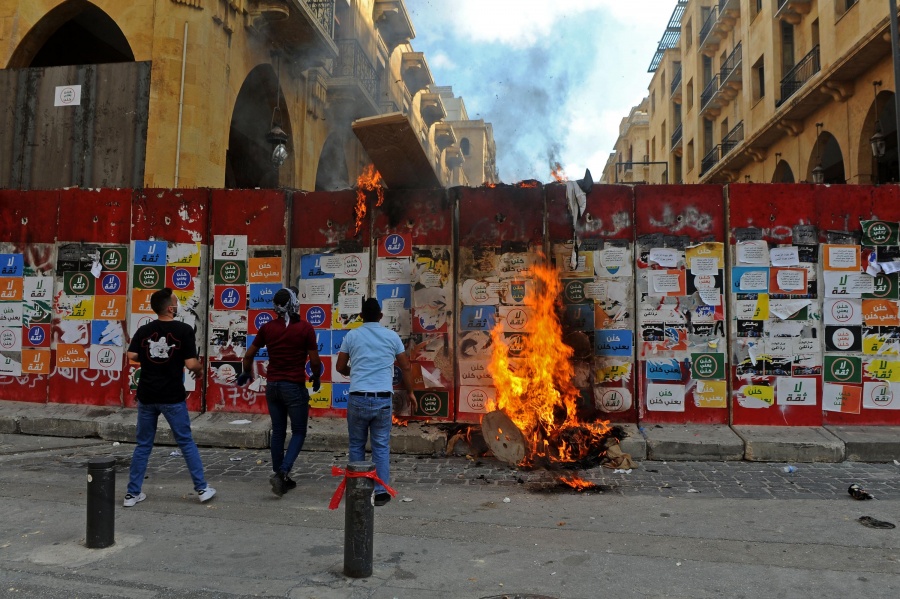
339	492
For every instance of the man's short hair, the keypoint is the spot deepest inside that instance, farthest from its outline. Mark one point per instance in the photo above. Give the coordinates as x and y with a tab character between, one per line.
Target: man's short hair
371	310
160	300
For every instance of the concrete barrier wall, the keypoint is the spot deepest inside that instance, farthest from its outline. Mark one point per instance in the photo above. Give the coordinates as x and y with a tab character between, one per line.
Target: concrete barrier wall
684	304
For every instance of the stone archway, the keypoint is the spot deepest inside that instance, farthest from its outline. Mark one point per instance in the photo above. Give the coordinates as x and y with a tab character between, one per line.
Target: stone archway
827	152
885	169
332	173
249	155
74	33
783	173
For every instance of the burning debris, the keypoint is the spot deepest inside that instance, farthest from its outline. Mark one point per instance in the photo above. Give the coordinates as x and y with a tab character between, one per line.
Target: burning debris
535	422
369	180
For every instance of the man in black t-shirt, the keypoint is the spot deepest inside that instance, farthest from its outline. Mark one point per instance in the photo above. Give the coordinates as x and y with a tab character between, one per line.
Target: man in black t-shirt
164	348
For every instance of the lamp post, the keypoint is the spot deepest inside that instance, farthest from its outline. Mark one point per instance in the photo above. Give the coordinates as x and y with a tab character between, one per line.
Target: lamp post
818	173
276	135
877	141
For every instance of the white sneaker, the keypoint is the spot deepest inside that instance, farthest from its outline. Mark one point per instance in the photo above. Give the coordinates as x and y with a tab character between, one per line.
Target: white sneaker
130	499
206	494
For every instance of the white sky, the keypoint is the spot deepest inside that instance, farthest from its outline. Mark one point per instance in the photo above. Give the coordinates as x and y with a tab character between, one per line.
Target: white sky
555	77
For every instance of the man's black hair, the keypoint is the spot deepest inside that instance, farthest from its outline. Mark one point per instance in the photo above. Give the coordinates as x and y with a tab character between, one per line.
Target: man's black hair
161	300
281	298
371	310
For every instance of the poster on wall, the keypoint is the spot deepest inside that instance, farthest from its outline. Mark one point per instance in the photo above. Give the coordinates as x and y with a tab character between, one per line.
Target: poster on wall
777	321
681	323
91	309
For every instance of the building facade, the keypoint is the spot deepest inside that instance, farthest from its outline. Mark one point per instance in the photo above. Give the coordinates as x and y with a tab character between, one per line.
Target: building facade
774	91
200	93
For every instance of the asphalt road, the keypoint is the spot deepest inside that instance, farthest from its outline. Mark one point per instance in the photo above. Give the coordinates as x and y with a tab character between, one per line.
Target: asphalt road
459	528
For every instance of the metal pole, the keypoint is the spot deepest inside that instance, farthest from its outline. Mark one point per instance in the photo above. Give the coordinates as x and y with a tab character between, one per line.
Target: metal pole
895	46
101	498
359	522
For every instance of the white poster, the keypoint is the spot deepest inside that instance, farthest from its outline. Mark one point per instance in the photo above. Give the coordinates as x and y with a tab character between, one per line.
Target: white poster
665	398
793	391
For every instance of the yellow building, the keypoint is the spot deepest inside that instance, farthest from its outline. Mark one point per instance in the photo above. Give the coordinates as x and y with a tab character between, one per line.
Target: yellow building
201	93
774	91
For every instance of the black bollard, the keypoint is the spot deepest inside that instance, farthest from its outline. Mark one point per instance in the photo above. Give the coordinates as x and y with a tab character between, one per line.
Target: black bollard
359	522
101	499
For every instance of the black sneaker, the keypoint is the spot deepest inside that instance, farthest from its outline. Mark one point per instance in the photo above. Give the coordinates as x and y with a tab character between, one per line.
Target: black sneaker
277	482
382	498
289	483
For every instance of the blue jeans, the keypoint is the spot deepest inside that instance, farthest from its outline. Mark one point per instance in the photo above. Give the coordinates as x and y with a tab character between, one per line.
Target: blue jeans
285	400
371	416
176	415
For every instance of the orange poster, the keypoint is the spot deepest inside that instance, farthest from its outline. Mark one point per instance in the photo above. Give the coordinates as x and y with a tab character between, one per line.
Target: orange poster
264	270
72	355
880	312
110	308
140	301
35	361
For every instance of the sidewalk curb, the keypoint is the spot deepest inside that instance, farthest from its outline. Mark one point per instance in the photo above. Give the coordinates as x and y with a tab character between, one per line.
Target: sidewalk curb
655	442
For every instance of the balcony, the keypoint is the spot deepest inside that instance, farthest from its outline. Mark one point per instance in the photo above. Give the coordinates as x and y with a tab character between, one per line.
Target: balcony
302	29
393	23
676	138
732	68
453	157
709	160
729	11
415	72
444	137
712	32
388	107
431	107
792	11
802	72
734	137
710	105
676	85
353	88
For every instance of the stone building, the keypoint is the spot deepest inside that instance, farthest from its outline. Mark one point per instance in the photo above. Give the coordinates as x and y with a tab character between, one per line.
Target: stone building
201	93
774	91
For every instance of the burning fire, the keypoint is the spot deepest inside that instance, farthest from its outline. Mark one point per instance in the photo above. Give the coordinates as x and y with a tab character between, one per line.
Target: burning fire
528	184
558	173
535	390
368	180
577	483
397	421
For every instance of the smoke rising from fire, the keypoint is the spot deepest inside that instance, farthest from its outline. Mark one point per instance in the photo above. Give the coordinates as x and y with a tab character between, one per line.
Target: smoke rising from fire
554	79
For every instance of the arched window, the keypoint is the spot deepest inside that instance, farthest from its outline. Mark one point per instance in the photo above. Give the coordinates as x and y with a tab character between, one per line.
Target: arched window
465	146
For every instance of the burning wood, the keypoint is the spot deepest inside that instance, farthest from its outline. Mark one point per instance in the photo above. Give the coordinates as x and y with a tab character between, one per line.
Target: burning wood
577	483
536	422
369	180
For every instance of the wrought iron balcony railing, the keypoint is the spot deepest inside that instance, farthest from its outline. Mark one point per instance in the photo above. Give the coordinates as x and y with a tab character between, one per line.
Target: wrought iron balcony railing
676	135
802	72
676	80
352	62
733	138
731	63
708	24
324	11
710	160
711	88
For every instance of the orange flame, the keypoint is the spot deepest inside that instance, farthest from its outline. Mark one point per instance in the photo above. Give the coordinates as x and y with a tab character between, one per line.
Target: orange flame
397	421
535	390
369	180
558	173
528	184
577	483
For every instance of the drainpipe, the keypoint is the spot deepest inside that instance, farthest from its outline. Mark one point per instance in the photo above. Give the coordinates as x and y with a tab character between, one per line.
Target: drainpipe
181	104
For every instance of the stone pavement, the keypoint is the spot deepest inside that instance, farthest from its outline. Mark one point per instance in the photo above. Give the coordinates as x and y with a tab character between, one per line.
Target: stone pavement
459	528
